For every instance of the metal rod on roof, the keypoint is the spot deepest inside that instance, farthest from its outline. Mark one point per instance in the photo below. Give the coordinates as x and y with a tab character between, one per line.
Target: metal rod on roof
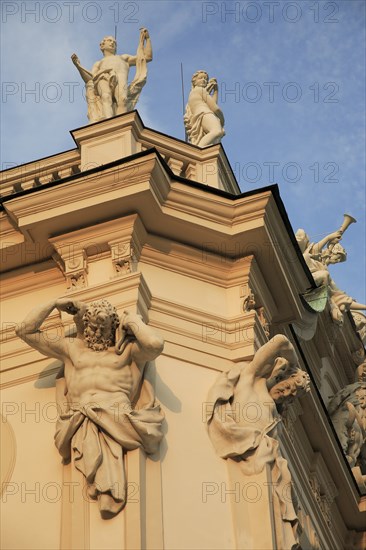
183	100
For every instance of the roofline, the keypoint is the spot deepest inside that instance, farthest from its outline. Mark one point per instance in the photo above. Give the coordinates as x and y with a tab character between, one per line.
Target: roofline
273	189
38	160
144	127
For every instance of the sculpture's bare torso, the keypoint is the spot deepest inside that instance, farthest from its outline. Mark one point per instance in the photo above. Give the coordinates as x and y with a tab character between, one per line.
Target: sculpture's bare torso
92	375
116	63
95	373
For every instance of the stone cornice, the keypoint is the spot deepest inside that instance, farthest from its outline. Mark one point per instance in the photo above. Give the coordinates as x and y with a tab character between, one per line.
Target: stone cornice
209	165
30	279
199	264
183	213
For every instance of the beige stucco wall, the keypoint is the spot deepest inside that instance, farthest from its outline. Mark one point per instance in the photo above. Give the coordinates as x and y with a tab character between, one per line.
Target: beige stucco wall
190	469
191	472
31	502
137	213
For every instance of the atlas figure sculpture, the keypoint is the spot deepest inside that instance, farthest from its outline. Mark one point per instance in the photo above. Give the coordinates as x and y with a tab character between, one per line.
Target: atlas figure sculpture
106	403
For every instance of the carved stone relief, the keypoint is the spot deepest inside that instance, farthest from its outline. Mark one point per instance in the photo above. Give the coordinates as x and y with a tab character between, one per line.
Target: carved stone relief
270	382
347	410
249	304
105	400
123	257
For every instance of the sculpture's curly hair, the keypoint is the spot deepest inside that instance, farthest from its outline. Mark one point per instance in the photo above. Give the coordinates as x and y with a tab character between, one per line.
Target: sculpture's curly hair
195	76
302	381
286	371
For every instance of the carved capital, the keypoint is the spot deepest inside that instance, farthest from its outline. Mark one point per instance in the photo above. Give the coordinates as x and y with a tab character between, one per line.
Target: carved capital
73	262
124	256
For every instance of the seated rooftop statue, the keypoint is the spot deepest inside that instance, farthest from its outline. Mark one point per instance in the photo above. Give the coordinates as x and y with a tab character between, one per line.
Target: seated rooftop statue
105	400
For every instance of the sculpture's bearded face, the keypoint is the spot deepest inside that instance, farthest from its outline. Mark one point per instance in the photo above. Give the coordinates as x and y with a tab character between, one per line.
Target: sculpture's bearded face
288	386
98	334
100	324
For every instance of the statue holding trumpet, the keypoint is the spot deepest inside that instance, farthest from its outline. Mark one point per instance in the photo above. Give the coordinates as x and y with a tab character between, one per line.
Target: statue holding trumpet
318	256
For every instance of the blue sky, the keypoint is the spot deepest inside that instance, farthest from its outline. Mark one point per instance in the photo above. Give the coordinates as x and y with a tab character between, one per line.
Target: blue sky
292	88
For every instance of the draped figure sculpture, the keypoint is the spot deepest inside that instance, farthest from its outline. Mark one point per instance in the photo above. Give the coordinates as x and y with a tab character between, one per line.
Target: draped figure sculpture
347	410
318	256
106	403
107	90
203	119
269	383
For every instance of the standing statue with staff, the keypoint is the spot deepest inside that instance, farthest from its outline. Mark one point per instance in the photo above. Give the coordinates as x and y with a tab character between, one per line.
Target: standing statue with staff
107	90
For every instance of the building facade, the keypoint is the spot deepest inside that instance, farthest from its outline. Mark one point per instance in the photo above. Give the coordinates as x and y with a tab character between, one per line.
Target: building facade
159	227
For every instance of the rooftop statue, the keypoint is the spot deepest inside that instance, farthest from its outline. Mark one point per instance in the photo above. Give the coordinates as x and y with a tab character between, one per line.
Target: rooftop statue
105	400
107	90
203	119
318	258
269	382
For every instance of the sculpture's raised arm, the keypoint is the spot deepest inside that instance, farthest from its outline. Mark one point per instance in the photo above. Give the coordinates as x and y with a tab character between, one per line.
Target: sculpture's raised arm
30	332
266	362
147	343
332	237
146	43
144	49
84	73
